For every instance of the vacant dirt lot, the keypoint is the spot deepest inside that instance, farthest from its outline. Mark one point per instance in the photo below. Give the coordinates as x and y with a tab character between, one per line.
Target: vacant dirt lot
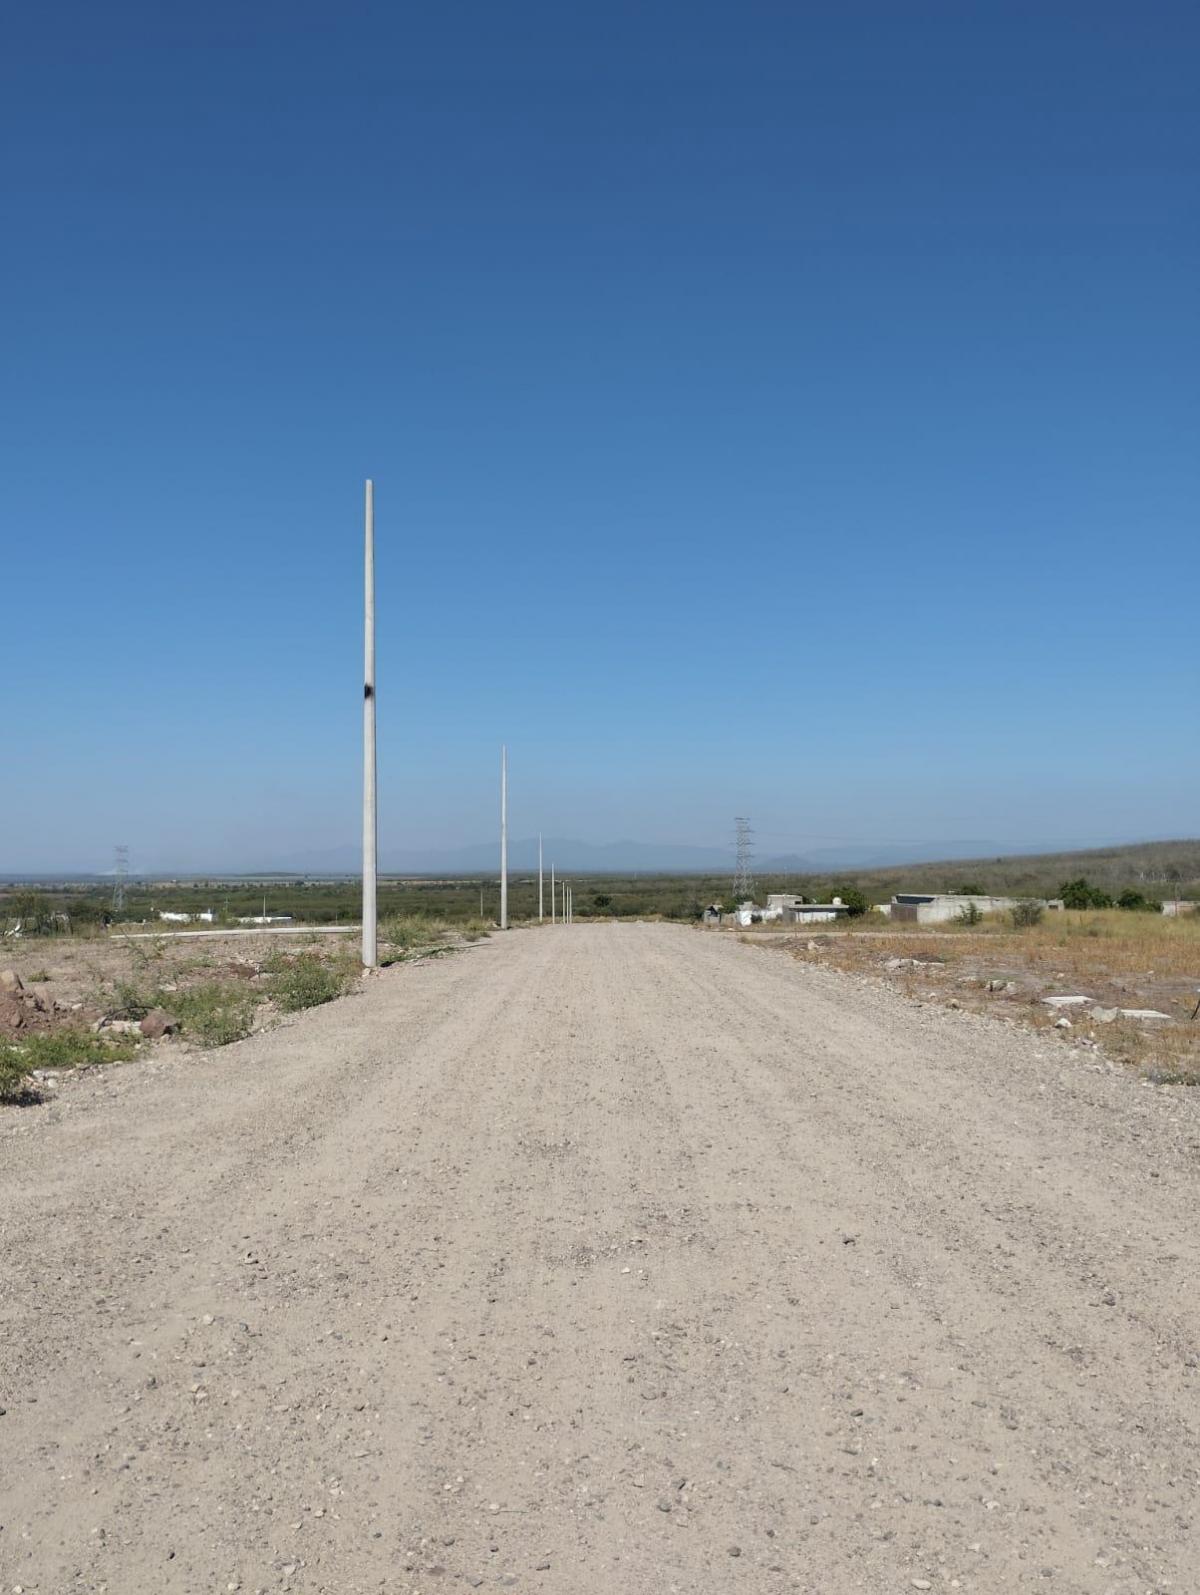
1102	963
603	1259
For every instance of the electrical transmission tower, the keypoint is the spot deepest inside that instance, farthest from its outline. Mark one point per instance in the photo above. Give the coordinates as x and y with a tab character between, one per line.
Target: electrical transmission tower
743	876
121	875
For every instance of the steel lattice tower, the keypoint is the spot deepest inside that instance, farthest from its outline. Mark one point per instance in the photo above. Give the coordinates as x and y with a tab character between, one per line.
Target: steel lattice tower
743	874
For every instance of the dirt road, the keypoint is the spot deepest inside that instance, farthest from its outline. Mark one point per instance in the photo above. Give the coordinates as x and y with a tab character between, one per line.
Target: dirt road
604	1259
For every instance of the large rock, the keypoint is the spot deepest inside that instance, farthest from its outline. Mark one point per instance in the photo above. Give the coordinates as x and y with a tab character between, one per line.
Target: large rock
12	1012
159	1023
11	981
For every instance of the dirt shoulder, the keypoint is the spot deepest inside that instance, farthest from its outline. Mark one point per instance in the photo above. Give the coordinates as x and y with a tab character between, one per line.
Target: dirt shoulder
1121	984
607	1258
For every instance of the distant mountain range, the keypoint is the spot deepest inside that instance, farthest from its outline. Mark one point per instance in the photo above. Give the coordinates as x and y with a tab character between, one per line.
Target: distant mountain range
1010	866
591	858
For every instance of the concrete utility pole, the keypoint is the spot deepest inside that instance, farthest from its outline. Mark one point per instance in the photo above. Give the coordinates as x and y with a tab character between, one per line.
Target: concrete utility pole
503	838
370	944
541	915
553	896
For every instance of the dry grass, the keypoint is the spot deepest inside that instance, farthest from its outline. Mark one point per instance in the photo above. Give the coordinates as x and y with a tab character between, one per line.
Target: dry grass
1120	959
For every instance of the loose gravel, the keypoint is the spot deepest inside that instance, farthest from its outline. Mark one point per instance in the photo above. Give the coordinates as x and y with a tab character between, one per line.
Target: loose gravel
603	1259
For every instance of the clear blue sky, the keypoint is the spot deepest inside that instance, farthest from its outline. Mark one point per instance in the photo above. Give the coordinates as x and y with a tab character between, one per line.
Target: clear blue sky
788	409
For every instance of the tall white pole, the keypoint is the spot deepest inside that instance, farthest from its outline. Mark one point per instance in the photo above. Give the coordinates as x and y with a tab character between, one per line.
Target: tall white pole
503	838
541	915
553	896
370	944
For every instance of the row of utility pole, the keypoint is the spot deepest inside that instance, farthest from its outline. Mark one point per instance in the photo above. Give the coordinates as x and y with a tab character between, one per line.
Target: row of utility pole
567	893
562	907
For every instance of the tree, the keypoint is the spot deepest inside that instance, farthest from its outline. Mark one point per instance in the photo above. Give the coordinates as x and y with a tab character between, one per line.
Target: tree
1080	893
1137	902
856	902
602	900
969	891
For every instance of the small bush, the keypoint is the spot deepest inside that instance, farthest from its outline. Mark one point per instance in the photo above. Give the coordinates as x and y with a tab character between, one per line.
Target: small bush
131	1001
1138	903
1080	893
75	1049
306	982
969	914
411	930
856	902
1026	914
14	1074
215	1013
56	1049
476	930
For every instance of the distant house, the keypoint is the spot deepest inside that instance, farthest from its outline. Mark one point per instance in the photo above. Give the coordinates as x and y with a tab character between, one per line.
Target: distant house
794	910
942	908
265	919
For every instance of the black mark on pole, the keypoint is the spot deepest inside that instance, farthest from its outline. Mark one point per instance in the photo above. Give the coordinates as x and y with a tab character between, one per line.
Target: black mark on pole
368	690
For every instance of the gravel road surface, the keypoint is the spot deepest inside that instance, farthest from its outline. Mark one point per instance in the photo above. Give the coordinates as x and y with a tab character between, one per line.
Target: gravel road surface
606	1259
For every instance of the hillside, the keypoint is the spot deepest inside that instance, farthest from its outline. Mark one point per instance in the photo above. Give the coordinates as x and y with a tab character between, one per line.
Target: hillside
1160	869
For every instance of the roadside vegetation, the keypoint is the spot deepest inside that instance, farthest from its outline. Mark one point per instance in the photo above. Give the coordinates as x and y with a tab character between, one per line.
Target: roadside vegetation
98	1000
307	980
69	1048
1008	965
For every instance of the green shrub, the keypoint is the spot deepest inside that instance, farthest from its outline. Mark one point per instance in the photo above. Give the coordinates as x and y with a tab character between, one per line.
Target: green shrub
1080	893
411	930
856	902
306	982
216	1013
131	1000
74	1048
969	914
1027	913
1138	903
14	1074
476	930
56	1049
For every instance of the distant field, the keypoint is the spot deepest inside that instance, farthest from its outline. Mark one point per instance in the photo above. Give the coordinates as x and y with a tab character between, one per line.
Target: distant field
1157	869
